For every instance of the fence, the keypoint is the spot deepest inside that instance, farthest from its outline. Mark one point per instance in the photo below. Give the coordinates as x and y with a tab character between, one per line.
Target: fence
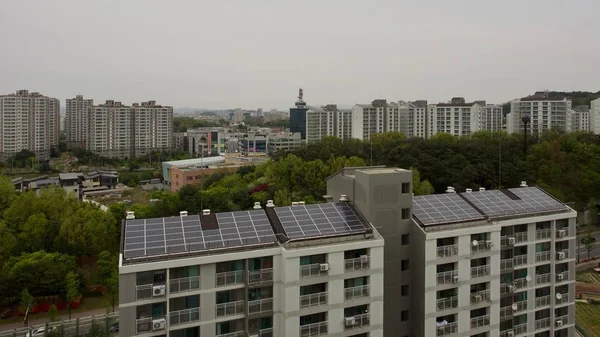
66	328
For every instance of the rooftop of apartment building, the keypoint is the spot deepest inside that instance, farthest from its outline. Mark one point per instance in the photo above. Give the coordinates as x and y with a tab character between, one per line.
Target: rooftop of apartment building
148	240
542	96
475	207
459	101
24	93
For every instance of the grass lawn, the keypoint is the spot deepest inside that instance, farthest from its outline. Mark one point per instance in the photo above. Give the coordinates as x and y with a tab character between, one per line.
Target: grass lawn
89	303
588	276
588	317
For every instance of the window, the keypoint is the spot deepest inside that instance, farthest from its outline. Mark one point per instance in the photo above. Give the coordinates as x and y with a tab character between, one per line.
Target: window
404	265
404	290
405	213
404	316
405	239
405	188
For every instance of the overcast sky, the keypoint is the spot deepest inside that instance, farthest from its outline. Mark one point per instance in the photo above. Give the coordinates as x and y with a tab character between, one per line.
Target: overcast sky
257	53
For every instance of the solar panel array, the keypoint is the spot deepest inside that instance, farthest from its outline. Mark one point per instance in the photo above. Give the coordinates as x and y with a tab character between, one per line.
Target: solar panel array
442	208
151	237
497	203
303	221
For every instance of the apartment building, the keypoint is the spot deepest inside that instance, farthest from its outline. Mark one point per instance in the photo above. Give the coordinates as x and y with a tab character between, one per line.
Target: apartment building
319	123
76	121
413	119
544	112
456	117
152	127
594	116
490	117
296	271
285	141
476	263
368	119
580	119
28	121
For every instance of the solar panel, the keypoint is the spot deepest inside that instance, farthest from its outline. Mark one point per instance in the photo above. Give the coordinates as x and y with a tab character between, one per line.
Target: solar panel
302	221
441	208
515	201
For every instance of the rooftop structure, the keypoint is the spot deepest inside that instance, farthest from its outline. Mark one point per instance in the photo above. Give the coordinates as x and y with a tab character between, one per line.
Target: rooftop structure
197	162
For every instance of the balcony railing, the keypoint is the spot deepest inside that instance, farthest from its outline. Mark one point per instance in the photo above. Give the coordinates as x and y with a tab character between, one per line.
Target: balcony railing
357	292
542	301
260	306
230	308
184	316
265	332
564	230
313	300
542	279
506	312
564	298
447	329
543	234
480	296
259	276
447	277
520	329
543	323
562	277
542	256
315	329
477	322
564	319
312	270
147	291
145	324
359	321
447	251
359	263
233	334
503	241
520	260
480	271
185	284
520	237
481	247
506	288
447	303
521	305
562	255
229	278
520	283
506	264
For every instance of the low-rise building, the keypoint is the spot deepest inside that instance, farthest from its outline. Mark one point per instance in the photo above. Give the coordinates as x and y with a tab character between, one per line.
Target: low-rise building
202	162
191	175
285	141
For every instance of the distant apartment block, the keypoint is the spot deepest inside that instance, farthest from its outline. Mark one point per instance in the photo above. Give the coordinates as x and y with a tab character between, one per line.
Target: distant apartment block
368	119
413	118
490	117
319	123
456	117
580	119
544	113
120	131
76	121
285	141
595	116
28	121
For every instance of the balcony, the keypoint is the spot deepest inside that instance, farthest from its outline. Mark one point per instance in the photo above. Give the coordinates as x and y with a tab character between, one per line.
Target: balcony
314	270
447	329
506	264
543	256
260	306
230	308
481	247
506	312
562	277
233	334
185	284
147	291
564	299
144	325
521	305
447	277
229	278
357	292
184	316
260	276
356	321
543	234
477	322
313	300
562	233
359	263
264	333
315	329
447	251
480	271
520	329
520	237
542	279
480	296
543	323
447	303
520	260
520	283
542	301
562	255
564	319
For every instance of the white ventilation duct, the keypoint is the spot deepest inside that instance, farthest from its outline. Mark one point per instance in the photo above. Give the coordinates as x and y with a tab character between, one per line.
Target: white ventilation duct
129	215
270	203
294	203
523	183
183	213
343	197
469	190
206	212
257	205
450	189
301	203
481	189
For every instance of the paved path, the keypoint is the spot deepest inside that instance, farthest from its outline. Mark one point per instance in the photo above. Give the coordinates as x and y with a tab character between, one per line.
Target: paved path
64	315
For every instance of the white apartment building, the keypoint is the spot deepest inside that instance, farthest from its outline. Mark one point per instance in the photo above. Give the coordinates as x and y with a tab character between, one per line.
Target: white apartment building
76	121
152	127
457	118
544	112
110	130
594	117
28	121
413	119
490	118
580	121
319	123
368	119
285	141
298	271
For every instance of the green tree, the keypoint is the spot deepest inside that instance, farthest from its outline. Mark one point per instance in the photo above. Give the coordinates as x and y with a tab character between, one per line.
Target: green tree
72	289
34	233
420	187
26	298
7	193
53	313
107	272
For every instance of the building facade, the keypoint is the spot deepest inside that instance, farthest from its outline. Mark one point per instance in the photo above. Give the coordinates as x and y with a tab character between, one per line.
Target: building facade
544	113
580	121
28	121
258	277
368	119
152	127
595	116
319	123
76	121
413	119
456	117
490	117
285	141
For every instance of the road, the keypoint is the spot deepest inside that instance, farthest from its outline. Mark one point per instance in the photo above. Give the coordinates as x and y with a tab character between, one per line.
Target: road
583	254
70	326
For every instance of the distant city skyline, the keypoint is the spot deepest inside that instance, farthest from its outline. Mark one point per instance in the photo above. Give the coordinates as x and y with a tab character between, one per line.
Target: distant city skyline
256	54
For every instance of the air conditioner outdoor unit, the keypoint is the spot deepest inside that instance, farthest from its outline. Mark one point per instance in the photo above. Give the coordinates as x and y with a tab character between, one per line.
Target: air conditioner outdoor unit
159	324
510	334
159	290
559	277
489	243
349	321
511	241
562	233
561	255
324	267
511	289
455	279
364	258
559	322
478	298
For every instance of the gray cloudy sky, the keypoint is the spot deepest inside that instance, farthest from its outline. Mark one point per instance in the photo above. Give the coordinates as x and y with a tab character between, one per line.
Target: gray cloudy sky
256	53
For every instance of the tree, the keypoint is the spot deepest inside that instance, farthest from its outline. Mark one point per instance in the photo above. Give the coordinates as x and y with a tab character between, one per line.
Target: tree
33	233
27	300
53	313
72	289
7	193
107	274
420	187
